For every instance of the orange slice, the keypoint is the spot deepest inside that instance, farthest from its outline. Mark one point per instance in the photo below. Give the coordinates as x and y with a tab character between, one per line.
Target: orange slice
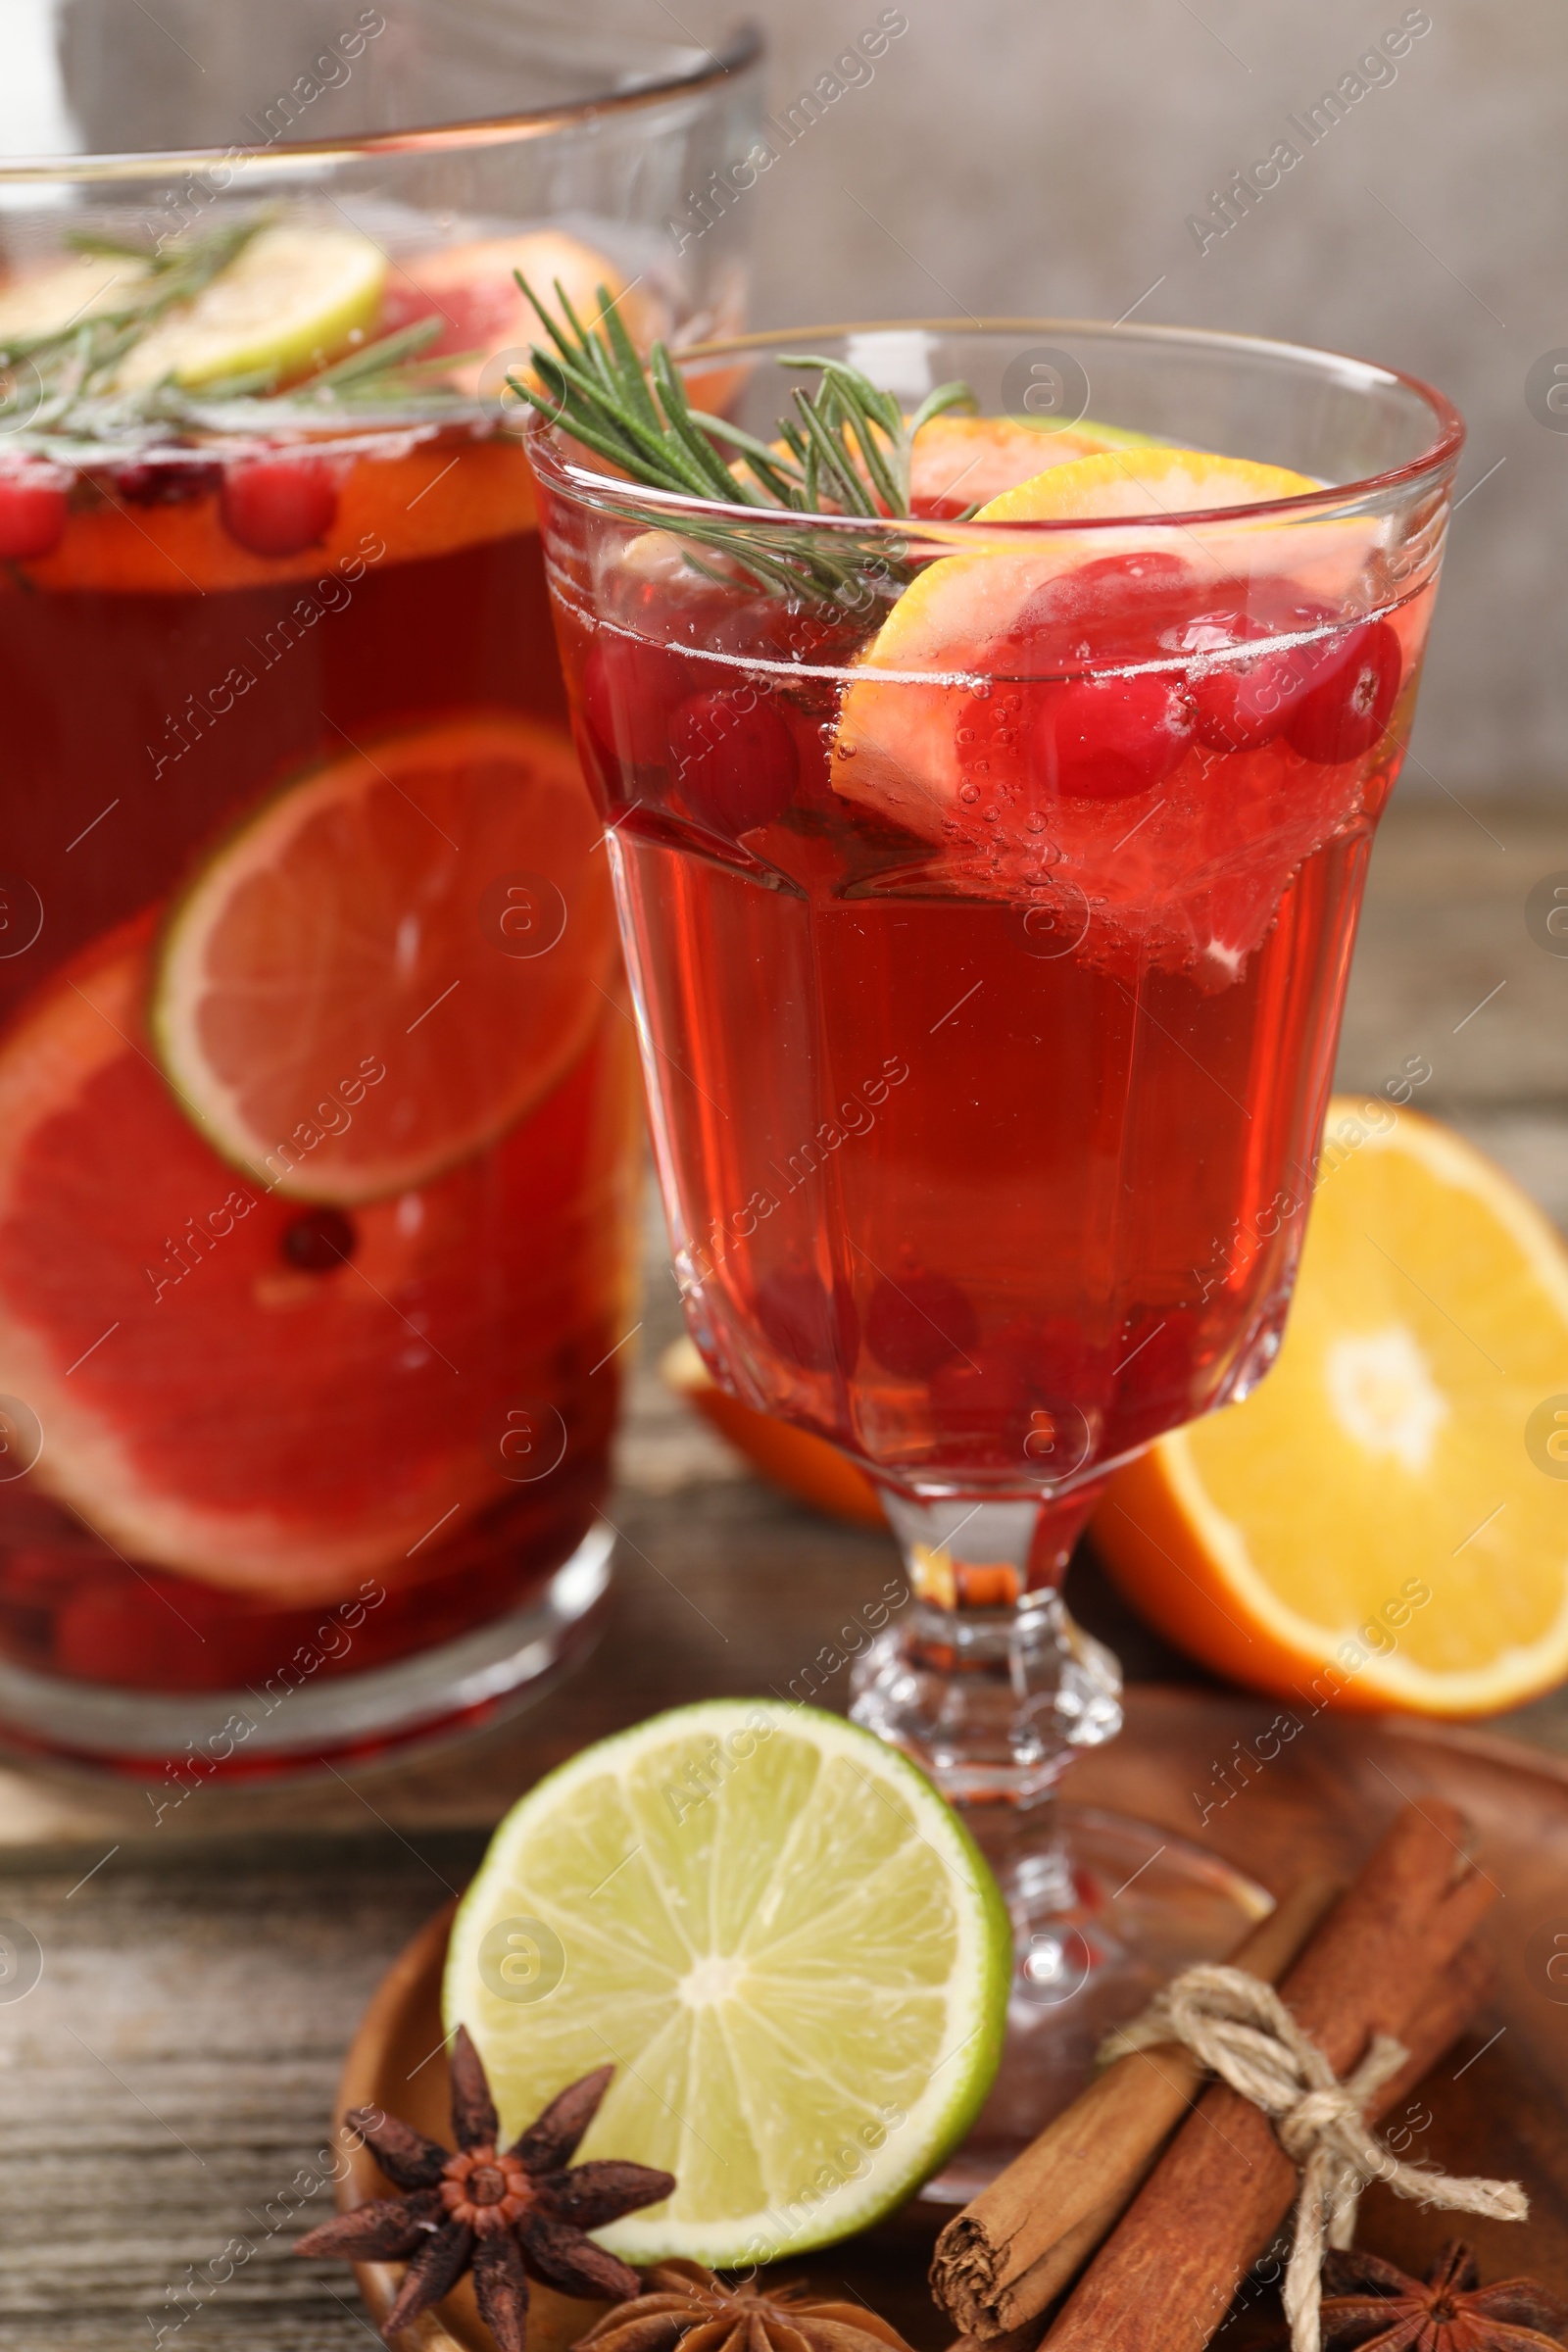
390	962
1384	1523
898	742
805	1466
391	508
1149	481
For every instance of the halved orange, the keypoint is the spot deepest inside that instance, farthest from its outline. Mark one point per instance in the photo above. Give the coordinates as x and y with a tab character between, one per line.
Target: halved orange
1383	1523
805	1466
390	962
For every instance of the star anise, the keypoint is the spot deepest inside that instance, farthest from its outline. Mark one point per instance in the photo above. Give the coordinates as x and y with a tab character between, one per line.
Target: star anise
1371	2305
508	2215
682	2304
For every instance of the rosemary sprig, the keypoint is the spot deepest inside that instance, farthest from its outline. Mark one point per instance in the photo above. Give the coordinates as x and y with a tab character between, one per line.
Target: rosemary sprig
847	441
66	373
62	398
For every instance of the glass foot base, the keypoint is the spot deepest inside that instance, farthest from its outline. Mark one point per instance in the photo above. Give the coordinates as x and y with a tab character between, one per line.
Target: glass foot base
295	1726
1101	1920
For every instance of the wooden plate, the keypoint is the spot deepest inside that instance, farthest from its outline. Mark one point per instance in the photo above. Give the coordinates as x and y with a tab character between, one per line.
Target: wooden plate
1276	1792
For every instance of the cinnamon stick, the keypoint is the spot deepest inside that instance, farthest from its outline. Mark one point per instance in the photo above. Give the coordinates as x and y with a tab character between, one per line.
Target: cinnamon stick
1387	1961
1011	2253
1017	2340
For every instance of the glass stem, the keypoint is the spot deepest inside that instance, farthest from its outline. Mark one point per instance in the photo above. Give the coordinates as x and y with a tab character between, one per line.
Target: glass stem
984	1679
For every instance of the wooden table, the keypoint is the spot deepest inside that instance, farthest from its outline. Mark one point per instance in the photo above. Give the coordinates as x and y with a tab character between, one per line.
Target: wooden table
170	2077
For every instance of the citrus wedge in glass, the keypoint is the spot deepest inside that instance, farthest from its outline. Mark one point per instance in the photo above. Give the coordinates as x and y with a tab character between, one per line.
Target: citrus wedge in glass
900	747
784	1939
1007	712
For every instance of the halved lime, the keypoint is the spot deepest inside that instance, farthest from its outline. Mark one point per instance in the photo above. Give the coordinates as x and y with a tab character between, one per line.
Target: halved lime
291	299
783	1938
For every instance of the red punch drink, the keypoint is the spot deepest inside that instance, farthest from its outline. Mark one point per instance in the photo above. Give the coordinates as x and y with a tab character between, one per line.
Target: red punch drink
318	1127
309	1177
996	1017
990	808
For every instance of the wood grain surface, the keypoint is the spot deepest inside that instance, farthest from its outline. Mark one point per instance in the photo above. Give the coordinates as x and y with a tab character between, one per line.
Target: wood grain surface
167	2088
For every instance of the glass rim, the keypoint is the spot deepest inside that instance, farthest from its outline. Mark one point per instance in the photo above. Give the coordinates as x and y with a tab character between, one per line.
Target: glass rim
739	50
563	474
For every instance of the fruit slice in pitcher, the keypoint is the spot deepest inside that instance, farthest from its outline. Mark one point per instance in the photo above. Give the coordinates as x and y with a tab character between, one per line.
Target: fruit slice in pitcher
427	906
485	316
291	299
269	1395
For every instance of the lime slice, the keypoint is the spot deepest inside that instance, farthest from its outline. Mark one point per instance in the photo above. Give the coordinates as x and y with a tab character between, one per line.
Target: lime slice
784	1939
290	300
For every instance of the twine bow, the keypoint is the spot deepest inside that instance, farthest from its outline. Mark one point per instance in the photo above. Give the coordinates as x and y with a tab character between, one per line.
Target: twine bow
1240	2030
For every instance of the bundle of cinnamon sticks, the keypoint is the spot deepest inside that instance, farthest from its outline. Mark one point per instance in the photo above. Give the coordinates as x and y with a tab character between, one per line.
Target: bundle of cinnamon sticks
1175	2232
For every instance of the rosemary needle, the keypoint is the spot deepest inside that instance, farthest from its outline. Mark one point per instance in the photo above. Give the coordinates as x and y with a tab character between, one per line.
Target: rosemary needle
848	442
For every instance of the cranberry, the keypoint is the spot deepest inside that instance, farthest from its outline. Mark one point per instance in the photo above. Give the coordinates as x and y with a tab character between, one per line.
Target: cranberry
278	506
319	1241
1346	710
917	1324
1102	610
1241	709
1025	1400
1238	705
734	759
629	689
169	484
33	512
806	1324
1101	739
1158	1363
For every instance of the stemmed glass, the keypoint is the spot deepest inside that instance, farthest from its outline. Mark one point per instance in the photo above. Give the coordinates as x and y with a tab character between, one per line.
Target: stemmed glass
988	889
